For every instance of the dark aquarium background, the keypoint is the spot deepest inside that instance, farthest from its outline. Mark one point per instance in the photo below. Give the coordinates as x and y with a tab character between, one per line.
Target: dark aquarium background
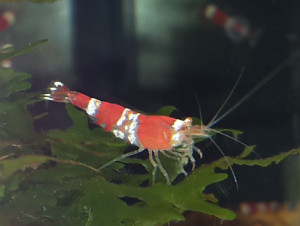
146	54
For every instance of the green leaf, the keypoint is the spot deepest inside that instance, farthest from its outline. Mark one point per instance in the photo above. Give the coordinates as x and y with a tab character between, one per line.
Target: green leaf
11	82
28	48
166	110
240	160
164	202
19	123
9	166
234	132
2	189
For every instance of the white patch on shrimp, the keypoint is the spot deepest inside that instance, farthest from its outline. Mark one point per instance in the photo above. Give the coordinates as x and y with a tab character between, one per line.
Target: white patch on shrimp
132	128
119	134
178	124
93	107
123	117
132	138
58	84
176	137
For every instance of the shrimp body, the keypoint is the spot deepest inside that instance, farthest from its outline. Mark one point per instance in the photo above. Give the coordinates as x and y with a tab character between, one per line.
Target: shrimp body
170	136
236	27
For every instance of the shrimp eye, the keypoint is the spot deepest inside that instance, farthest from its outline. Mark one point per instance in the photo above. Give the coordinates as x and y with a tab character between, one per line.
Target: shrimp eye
188	121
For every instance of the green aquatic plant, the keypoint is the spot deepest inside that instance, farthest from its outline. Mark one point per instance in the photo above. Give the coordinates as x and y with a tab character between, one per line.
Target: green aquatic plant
16	123
65	187
35	1
19	143
10	52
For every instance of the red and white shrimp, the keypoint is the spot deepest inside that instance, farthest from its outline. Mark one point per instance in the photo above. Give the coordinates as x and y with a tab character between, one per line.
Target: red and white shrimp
172	137
6	19
6	48
236	28
158	134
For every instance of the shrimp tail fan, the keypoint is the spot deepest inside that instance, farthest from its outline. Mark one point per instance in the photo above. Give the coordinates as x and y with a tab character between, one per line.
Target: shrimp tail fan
58	92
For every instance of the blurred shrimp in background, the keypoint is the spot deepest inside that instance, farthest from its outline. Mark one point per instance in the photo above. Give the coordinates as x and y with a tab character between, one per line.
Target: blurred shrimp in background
7	18
236	27
6	48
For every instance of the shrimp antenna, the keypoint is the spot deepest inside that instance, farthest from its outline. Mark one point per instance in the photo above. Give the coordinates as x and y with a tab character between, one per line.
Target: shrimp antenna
266	79
226	159
214	120
199	108
234	139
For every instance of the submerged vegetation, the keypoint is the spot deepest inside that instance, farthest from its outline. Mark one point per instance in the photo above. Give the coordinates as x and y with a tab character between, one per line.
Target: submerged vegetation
34	1
63	186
